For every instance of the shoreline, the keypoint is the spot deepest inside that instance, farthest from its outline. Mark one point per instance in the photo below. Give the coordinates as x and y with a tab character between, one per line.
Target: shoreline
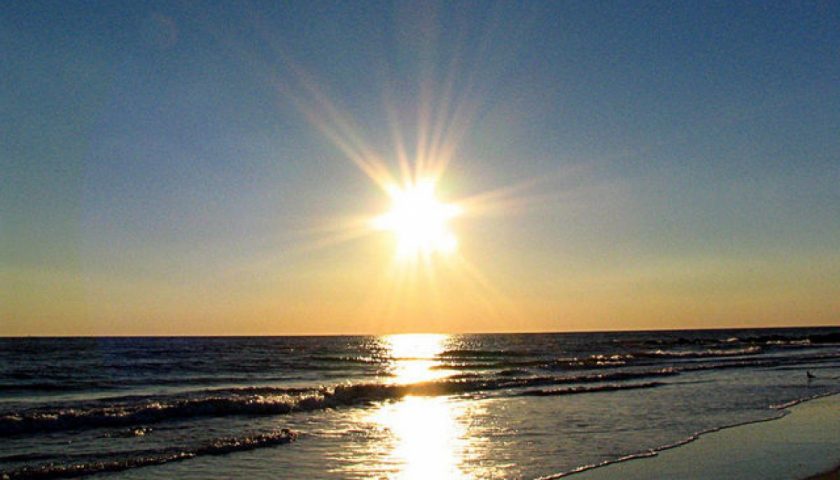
833	474
792	445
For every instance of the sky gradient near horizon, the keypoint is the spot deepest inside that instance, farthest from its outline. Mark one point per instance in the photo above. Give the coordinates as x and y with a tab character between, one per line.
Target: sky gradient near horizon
185	168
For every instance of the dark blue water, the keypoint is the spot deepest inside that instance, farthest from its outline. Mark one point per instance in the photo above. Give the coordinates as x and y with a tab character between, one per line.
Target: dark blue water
407	406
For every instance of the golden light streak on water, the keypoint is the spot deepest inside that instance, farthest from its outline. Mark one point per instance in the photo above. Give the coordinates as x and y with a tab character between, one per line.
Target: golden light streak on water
429	437
428	434
414	356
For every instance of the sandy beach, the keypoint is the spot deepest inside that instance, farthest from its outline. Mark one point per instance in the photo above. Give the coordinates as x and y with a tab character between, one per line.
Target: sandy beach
804	444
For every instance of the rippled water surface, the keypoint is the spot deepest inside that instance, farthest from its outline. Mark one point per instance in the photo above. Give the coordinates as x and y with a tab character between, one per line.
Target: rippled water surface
405	406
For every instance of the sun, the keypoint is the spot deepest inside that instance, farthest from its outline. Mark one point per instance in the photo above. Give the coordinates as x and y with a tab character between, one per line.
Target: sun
419	221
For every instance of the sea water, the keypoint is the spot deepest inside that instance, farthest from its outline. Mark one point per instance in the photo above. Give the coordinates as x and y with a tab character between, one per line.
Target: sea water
403	406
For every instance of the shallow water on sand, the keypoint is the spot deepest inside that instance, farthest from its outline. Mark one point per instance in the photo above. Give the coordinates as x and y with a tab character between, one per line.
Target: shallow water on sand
409	406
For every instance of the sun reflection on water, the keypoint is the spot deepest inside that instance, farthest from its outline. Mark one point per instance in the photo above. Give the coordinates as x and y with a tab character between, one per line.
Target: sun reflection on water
414	357
429	438
419	436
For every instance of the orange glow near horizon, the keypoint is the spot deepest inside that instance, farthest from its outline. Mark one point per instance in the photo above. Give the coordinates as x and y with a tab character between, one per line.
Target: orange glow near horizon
430	284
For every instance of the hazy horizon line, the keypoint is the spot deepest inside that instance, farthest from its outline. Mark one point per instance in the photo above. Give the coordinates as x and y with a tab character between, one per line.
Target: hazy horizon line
508	332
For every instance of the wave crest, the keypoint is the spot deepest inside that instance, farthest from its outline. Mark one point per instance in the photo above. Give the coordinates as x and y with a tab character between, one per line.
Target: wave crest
220	446
278	401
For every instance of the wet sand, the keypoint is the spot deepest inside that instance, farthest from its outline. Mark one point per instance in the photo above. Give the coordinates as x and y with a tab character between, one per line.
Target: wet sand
805	444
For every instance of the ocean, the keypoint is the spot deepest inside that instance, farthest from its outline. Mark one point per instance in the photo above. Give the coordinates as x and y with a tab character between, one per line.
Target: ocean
403	406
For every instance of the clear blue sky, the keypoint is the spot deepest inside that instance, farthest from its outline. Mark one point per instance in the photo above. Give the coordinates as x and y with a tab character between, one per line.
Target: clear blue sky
159	173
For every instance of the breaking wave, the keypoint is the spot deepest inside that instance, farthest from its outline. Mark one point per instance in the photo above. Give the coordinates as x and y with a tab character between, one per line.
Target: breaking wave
219	446
273	401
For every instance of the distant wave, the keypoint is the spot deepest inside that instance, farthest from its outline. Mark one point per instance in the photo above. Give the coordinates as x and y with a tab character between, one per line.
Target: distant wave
79	385
592	361
819	338
613	360
454	354
803	342
565	363
772	339
370	360
471	353
24	387
760	362
752	350
219	446
586	389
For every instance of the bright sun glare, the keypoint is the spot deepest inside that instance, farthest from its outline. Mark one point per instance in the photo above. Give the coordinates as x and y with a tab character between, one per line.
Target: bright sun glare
419	221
